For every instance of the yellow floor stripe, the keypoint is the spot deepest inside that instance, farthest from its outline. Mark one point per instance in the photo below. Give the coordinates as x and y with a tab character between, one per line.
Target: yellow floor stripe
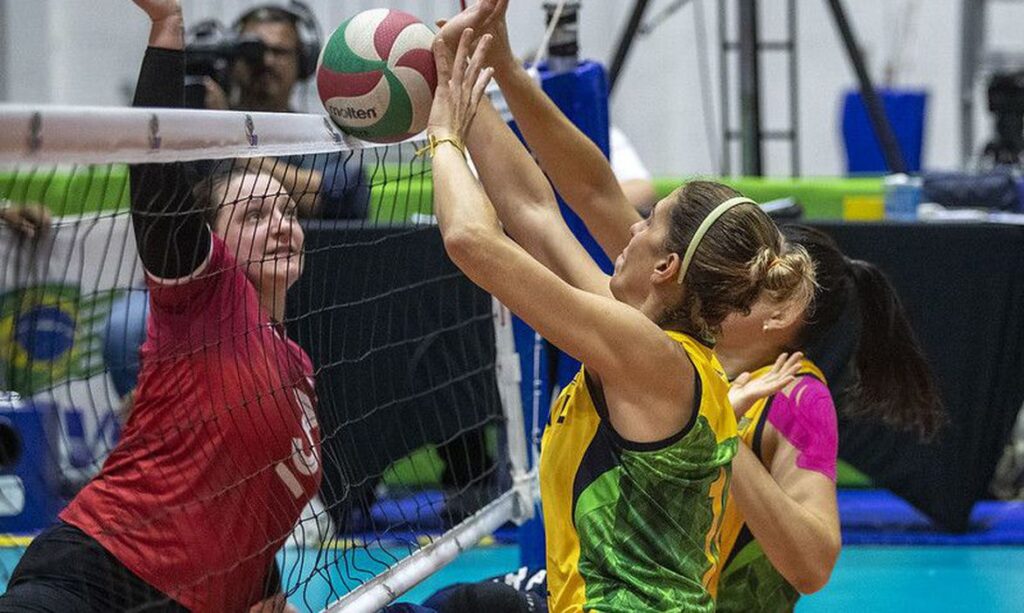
12	541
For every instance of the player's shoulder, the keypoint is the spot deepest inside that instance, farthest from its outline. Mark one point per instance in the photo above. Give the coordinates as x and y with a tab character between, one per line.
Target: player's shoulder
217	281
808	402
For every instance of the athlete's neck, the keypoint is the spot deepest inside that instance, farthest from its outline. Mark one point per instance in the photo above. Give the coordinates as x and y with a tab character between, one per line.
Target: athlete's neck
274	304
748	359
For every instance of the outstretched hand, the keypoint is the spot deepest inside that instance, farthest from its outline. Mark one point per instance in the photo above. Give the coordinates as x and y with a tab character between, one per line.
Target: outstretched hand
158	10
483	17
27	220
746	390
167	24
461	81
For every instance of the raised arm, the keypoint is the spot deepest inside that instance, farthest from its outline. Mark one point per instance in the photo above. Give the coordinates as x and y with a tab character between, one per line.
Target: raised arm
173	238
577	168
525	203
624	349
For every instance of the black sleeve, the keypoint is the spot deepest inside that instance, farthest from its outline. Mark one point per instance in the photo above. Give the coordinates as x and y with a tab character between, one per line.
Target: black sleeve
172	236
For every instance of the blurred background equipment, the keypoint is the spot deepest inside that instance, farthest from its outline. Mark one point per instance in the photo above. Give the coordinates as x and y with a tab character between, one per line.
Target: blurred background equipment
210	52
1006	104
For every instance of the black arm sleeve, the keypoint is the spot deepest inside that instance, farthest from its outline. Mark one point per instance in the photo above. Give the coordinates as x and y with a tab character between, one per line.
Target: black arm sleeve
172	236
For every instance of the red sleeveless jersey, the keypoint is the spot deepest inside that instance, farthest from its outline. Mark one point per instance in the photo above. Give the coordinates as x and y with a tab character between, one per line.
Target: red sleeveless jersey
221	451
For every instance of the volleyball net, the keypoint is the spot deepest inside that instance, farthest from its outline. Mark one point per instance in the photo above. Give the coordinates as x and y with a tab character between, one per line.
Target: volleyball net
421	438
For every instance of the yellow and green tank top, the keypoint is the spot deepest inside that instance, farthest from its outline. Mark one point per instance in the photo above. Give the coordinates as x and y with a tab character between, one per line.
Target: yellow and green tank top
749	581
634	527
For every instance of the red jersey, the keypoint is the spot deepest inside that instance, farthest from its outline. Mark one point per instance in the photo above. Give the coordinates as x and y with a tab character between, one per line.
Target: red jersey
221	451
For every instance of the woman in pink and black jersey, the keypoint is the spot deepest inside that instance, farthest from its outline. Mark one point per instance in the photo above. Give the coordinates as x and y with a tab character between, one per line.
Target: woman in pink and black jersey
781	534
221	452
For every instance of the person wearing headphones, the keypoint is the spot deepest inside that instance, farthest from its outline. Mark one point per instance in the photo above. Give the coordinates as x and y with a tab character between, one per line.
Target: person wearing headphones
328	186
291	45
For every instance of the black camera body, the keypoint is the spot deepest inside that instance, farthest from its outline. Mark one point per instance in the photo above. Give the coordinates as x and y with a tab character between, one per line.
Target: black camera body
1006	92
1006	103
211	52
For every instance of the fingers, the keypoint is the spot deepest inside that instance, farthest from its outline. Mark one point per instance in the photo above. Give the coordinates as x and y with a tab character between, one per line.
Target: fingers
476	61
741	380
28	221
773	385
780	362
25	229
493	10
480	87
475	69
462	80
443	61
459	65
37	219
783	383
787	363
36	214
793	364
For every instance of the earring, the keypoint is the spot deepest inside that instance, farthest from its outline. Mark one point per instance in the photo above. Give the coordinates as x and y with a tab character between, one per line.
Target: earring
764	327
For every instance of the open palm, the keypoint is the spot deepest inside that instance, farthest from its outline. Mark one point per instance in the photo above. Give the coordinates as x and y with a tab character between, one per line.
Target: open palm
461	81
484	17
746	390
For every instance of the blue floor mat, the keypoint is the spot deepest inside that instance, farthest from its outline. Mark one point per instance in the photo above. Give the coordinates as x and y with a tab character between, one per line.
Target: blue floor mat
407	518
877	517
869	517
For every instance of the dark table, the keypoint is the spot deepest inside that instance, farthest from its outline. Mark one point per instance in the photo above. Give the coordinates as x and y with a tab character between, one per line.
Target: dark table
403	347
963	288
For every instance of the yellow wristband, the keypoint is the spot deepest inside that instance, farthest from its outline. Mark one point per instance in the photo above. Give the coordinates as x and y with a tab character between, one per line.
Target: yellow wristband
433	143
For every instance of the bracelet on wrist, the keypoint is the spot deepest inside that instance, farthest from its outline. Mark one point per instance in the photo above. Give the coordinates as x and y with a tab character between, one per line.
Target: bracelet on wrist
434	142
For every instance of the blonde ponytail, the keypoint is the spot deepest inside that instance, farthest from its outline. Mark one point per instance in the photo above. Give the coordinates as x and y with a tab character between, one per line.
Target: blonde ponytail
786	277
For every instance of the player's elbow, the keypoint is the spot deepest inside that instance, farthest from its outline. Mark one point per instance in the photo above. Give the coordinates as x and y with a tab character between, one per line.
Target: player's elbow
818	570
812	581
467	245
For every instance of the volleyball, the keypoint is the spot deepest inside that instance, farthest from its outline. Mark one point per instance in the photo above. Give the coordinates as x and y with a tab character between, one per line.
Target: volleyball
376	75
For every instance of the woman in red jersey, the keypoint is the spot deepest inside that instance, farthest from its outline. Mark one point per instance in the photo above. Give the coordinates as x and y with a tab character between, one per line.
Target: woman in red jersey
221	451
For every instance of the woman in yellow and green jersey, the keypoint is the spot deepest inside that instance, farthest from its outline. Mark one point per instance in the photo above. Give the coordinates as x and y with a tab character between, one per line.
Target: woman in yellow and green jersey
781	537
629	499
635	463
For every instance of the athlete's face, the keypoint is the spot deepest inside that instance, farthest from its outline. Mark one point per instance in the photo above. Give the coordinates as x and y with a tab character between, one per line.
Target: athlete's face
739	329
636	266
258	223
267	87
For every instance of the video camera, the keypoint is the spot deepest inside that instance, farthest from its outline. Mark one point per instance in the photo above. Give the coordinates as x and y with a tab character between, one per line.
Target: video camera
1006	103
211	51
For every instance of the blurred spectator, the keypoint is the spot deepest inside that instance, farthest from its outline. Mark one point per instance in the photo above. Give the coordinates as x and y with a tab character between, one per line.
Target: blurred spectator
326	185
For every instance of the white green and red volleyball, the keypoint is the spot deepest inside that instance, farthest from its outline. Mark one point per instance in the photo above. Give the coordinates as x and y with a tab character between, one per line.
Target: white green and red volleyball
376	75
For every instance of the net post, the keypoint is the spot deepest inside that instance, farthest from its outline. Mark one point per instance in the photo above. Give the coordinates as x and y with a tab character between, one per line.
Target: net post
509	375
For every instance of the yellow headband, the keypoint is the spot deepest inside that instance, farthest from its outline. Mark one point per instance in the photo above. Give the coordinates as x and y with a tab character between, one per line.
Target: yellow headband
704	227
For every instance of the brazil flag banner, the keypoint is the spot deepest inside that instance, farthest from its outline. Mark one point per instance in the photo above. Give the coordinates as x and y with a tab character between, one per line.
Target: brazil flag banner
59	294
